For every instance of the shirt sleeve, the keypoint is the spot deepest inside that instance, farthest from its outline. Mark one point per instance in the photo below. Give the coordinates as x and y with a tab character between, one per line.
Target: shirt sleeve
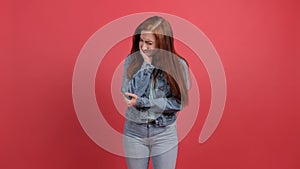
125	81
186	73
159	105
140	81
169	104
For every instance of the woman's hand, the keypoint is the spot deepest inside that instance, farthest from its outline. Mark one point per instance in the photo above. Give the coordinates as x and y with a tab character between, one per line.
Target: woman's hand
146	57
132	101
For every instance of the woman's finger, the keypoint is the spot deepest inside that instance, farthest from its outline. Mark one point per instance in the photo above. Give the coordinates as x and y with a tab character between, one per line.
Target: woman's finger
132	95
125	99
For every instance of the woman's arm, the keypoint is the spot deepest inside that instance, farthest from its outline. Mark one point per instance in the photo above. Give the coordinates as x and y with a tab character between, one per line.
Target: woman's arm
169	104
159	105
124	87
186	73
140	81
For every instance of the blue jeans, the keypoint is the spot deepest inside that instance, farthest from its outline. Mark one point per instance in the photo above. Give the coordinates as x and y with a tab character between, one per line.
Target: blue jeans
142	141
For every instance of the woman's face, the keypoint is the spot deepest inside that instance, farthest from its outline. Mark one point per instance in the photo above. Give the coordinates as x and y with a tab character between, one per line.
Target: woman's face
147	43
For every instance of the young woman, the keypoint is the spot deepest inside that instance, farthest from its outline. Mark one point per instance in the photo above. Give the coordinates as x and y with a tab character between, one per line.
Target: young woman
155	88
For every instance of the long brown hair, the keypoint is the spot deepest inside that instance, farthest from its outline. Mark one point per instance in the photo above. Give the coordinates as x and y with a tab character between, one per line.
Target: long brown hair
165	59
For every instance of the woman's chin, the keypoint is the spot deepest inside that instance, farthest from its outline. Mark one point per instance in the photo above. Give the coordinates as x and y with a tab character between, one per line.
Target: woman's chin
148	54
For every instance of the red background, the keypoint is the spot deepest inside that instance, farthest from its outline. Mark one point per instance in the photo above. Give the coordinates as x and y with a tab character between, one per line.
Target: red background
258	43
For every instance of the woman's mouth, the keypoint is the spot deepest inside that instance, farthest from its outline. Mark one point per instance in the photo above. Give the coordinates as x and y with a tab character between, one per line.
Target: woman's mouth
148	53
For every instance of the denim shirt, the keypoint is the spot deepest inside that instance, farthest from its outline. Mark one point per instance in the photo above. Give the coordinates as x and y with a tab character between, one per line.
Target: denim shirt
152	104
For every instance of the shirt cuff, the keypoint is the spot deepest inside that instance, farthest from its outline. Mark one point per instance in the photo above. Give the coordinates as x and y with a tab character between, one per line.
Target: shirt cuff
139	102
147	66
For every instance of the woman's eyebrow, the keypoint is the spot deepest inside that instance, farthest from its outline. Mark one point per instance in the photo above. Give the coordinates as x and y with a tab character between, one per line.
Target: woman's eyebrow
148	41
